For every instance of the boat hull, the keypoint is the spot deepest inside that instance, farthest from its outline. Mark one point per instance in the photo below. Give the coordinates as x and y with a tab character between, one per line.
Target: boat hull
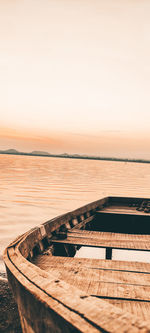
47	303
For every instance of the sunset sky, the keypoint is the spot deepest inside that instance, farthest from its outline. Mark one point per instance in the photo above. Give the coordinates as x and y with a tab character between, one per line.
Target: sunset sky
75	76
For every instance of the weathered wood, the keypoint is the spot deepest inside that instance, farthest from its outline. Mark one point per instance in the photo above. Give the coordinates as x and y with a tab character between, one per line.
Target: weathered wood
104	240
123	211
76	294
56	223
116	287
86	310
108	235
140	309
96	310
115	279
96	264
83	223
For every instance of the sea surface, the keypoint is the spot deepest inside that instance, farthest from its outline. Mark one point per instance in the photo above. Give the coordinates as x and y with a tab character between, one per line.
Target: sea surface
36	189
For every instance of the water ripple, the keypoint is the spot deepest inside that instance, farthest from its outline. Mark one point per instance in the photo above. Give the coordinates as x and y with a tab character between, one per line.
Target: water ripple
34	189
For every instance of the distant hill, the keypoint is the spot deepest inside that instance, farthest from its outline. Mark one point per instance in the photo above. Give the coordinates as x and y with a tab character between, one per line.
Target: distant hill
64	154
16	152
11	151
36	152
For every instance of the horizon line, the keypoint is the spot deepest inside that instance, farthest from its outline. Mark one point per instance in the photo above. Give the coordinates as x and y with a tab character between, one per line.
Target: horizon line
73	156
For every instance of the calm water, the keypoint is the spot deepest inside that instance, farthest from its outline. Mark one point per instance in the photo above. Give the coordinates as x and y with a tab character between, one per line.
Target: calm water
35	189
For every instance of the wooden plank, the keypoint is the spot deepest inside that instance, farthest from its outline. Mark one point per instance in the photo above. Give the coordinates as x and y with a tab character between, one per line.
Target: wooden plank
112	242
122	211
97	264
106	284
140	309
83	223
103	275
108	235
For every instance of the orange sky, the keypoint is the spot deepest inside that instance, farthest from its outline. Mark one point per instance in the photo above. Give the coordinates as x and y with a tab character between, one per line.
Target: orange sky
75	76
109	143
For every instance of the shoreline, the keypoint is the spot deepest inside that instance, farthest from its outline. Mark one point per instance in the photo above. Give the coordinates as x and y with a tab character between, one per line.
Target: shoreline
80	157
9	319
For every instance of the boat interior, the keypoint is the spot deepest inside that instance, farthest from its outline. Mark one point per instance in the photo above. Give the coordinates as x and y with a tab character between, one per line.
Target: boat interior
114	228
85	271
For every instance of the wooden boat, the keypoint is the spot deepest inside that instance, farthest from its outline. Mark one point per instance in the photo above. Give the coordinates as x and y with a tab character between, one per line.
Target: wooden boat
57	291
